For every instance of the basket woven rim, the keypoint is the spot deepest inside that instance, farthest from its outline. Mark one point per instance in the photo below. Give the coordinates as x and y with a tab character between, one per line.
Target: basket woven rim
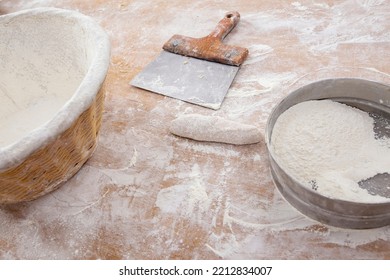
81	99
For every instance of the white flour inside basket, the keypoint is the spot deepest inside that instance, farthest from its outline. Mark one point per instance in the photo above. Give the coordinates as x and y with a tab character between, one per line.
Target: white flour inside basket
330	147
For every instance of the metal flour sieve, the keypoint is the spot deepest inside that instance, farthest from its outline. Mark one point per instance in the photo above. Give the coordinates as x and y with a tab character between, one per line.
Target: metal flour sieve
365	95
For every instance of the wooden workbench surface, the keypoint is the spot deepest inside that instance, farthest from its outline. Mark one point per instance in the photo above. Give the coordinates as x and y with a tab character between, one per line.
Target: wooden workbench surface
146	194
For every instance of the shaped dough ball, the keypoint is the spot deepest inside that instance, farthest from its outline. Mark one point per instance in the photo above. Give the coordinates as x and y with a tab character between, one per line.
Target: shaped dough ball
215	129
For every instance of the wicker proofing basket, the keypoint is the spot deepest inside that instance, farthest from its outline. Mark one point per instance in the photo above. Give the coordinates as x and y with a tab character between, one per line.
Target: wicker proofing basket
59	156
45	169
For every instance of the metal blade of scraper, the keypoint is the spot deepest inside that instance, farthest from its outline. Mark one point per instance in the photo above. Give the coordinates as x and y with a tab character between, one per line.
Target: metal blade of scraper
189	79
195	70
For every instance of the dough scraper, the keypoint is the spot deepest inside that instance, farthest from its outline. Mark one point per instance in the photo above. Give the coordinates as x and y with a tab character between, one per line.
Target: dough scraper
196	70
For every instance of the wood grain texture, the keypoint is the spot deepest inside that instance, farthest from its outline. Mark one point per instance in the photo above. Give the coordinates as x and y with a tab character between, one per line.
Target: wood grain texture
211	47
215	201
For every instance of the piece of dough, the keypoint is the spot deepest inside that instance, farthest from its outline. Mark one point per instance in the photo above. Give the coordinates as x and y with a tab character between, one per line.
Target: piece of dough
215	129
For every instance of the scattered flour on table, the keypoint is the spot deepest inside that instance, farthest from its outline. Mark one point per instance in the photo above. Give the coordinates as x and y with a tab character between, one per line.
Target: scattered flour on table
187	198
179	198
330	147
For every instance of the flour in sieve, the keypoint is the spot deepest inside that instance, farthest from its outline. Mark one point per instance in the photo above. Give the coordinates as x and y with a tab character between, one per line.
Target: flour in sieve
330	147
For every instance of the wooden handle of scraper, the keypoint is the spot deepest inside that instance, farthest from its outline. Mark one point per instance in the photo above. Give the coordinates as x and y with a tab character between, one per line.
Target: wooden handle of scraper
211	47
225	26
